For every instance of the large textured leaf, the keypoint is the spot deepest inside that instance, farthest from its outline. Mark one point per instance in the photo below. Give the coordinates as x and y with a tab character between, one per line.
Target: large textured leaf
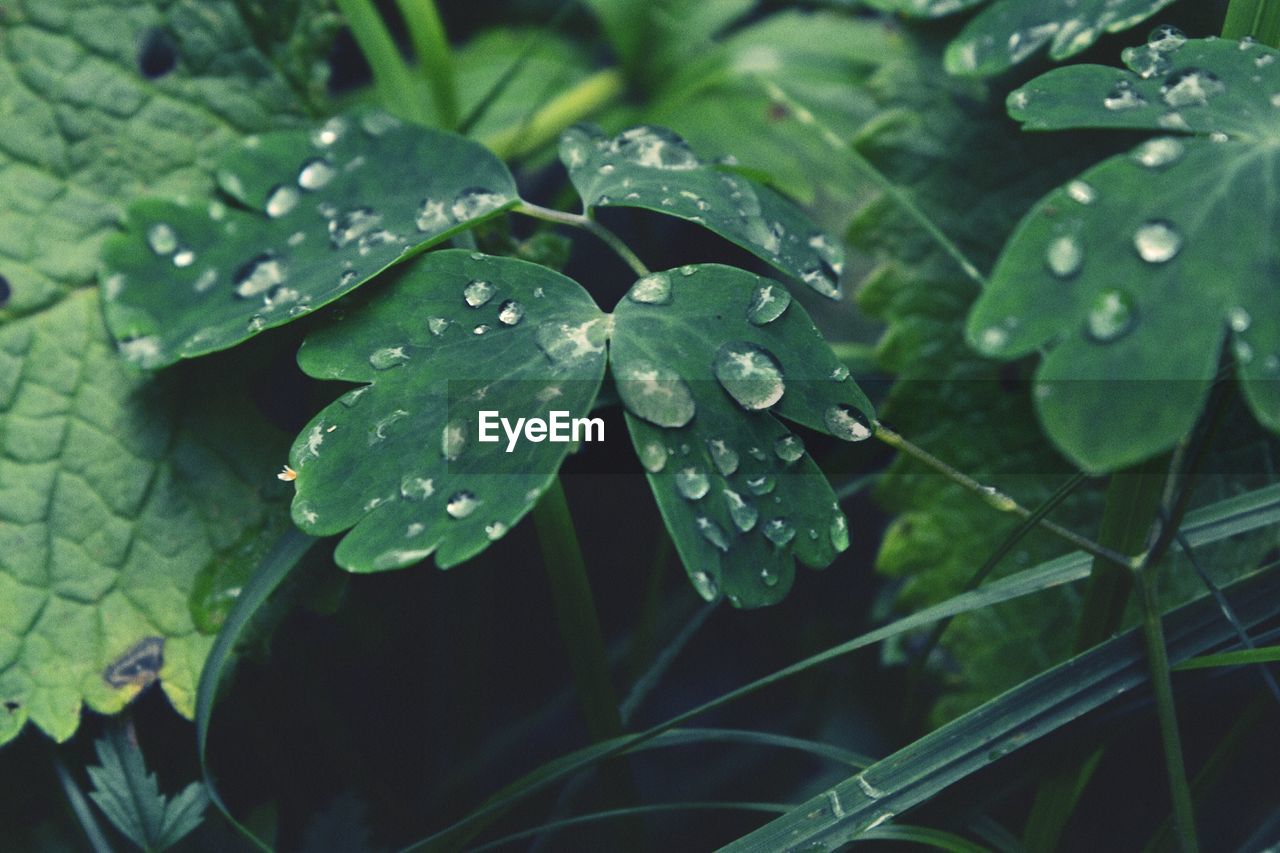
116	490
1008	32
653	168
704	358
1134	274
400	458
326	211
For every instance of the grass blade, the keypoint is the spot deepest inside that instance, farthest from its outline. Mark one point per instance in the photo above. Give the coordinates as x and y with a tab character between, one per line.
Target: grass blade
435	57
395	84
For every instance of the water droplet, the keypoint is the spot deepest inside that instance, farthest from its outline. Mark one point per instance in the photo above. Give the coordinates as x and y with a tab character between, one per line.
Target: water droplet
1157	241
1081	192
705	585
347	278
723	457
374	239
821	281
461	504
769	577
1190	87
1166	38
388	357
789	448
713	533
1064	256
692	484
1239	319
329	132
481	329
653	456
437	325
477	293
1112	315
761	485
475	202
378	123
744	515
282	199
768	303
495	530
869	789
750	374
1146	61
510	312
1159	152
184	257
432	216
143	351
654	393
653	289
352	225
1124	97
206	280
162	239
453	440
779	531
259	275
415	488
315	174
653	148
839	531
566	343
845	422
1264	60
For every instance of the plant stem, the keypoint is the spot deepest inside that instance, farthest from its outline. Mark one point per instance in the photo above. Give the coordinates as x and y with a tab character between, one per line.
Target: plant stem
999	500
1166	712
80	805
392	79
1257	18
586	223
435	58
576	613
568	108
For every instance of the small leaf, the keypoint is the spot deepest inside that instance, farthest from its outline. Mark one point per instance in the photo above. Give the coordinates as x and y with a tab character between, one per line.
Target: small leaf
400	459
323	211
130	797
653	168
704	358
1135	273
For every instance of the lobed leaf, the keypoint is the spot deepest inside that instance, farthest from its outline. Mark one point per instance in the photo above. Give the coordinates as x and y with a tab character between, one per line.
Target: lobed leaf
399	459
653	168
316	214
706	359
1134	274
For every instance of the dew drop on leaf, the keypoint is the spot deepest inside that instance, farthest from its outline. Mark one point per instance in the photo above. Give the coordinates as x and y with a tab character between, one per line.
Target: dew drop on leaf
656	394
477	293
653	289
1239	320
1190	87
162	239
494	530
351	225
329	132
743	514
315	174
282	199
789	448
1124	97
713	533
779	531
259	275
1157	241
432	216
1082	192
437	325
184	257
388	357
769	577
846	422
839	531
723	456
1159	152
1111	316
705	584
1166	38
510	312
653	456
768	304
415	488
461	504
761	485
474	202
1064	256
750	374
453	440
692	484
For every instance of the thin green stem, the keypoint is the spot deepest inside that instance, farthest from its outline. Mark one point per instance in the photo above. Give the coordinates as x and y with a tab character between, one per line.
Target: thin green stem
586	223
572	106
395	84
1166	712
80	806
996	499
435	57
1241	657
1257	18
576	613
805	116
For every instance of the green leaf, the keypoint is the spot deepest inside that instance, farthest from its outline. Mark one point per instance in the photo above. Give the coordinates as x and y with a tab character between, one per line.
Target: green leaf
325	211
130	796
401	458
1030	711
1100	272
1009	32
704	358
653	168
113	488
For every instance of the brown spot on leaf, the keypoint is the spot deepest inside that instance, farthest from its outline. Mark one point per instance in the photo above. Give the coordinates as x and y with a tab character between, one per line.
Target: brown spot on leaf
139	666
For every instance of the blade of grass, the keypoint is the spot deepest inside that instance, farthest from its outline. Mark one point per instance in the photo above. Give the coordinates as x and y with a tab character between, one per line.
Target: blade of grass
1029	711
435	57
1257	18
924	836
80	806
1243	657
275	567
545	126
394	82
1218	521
